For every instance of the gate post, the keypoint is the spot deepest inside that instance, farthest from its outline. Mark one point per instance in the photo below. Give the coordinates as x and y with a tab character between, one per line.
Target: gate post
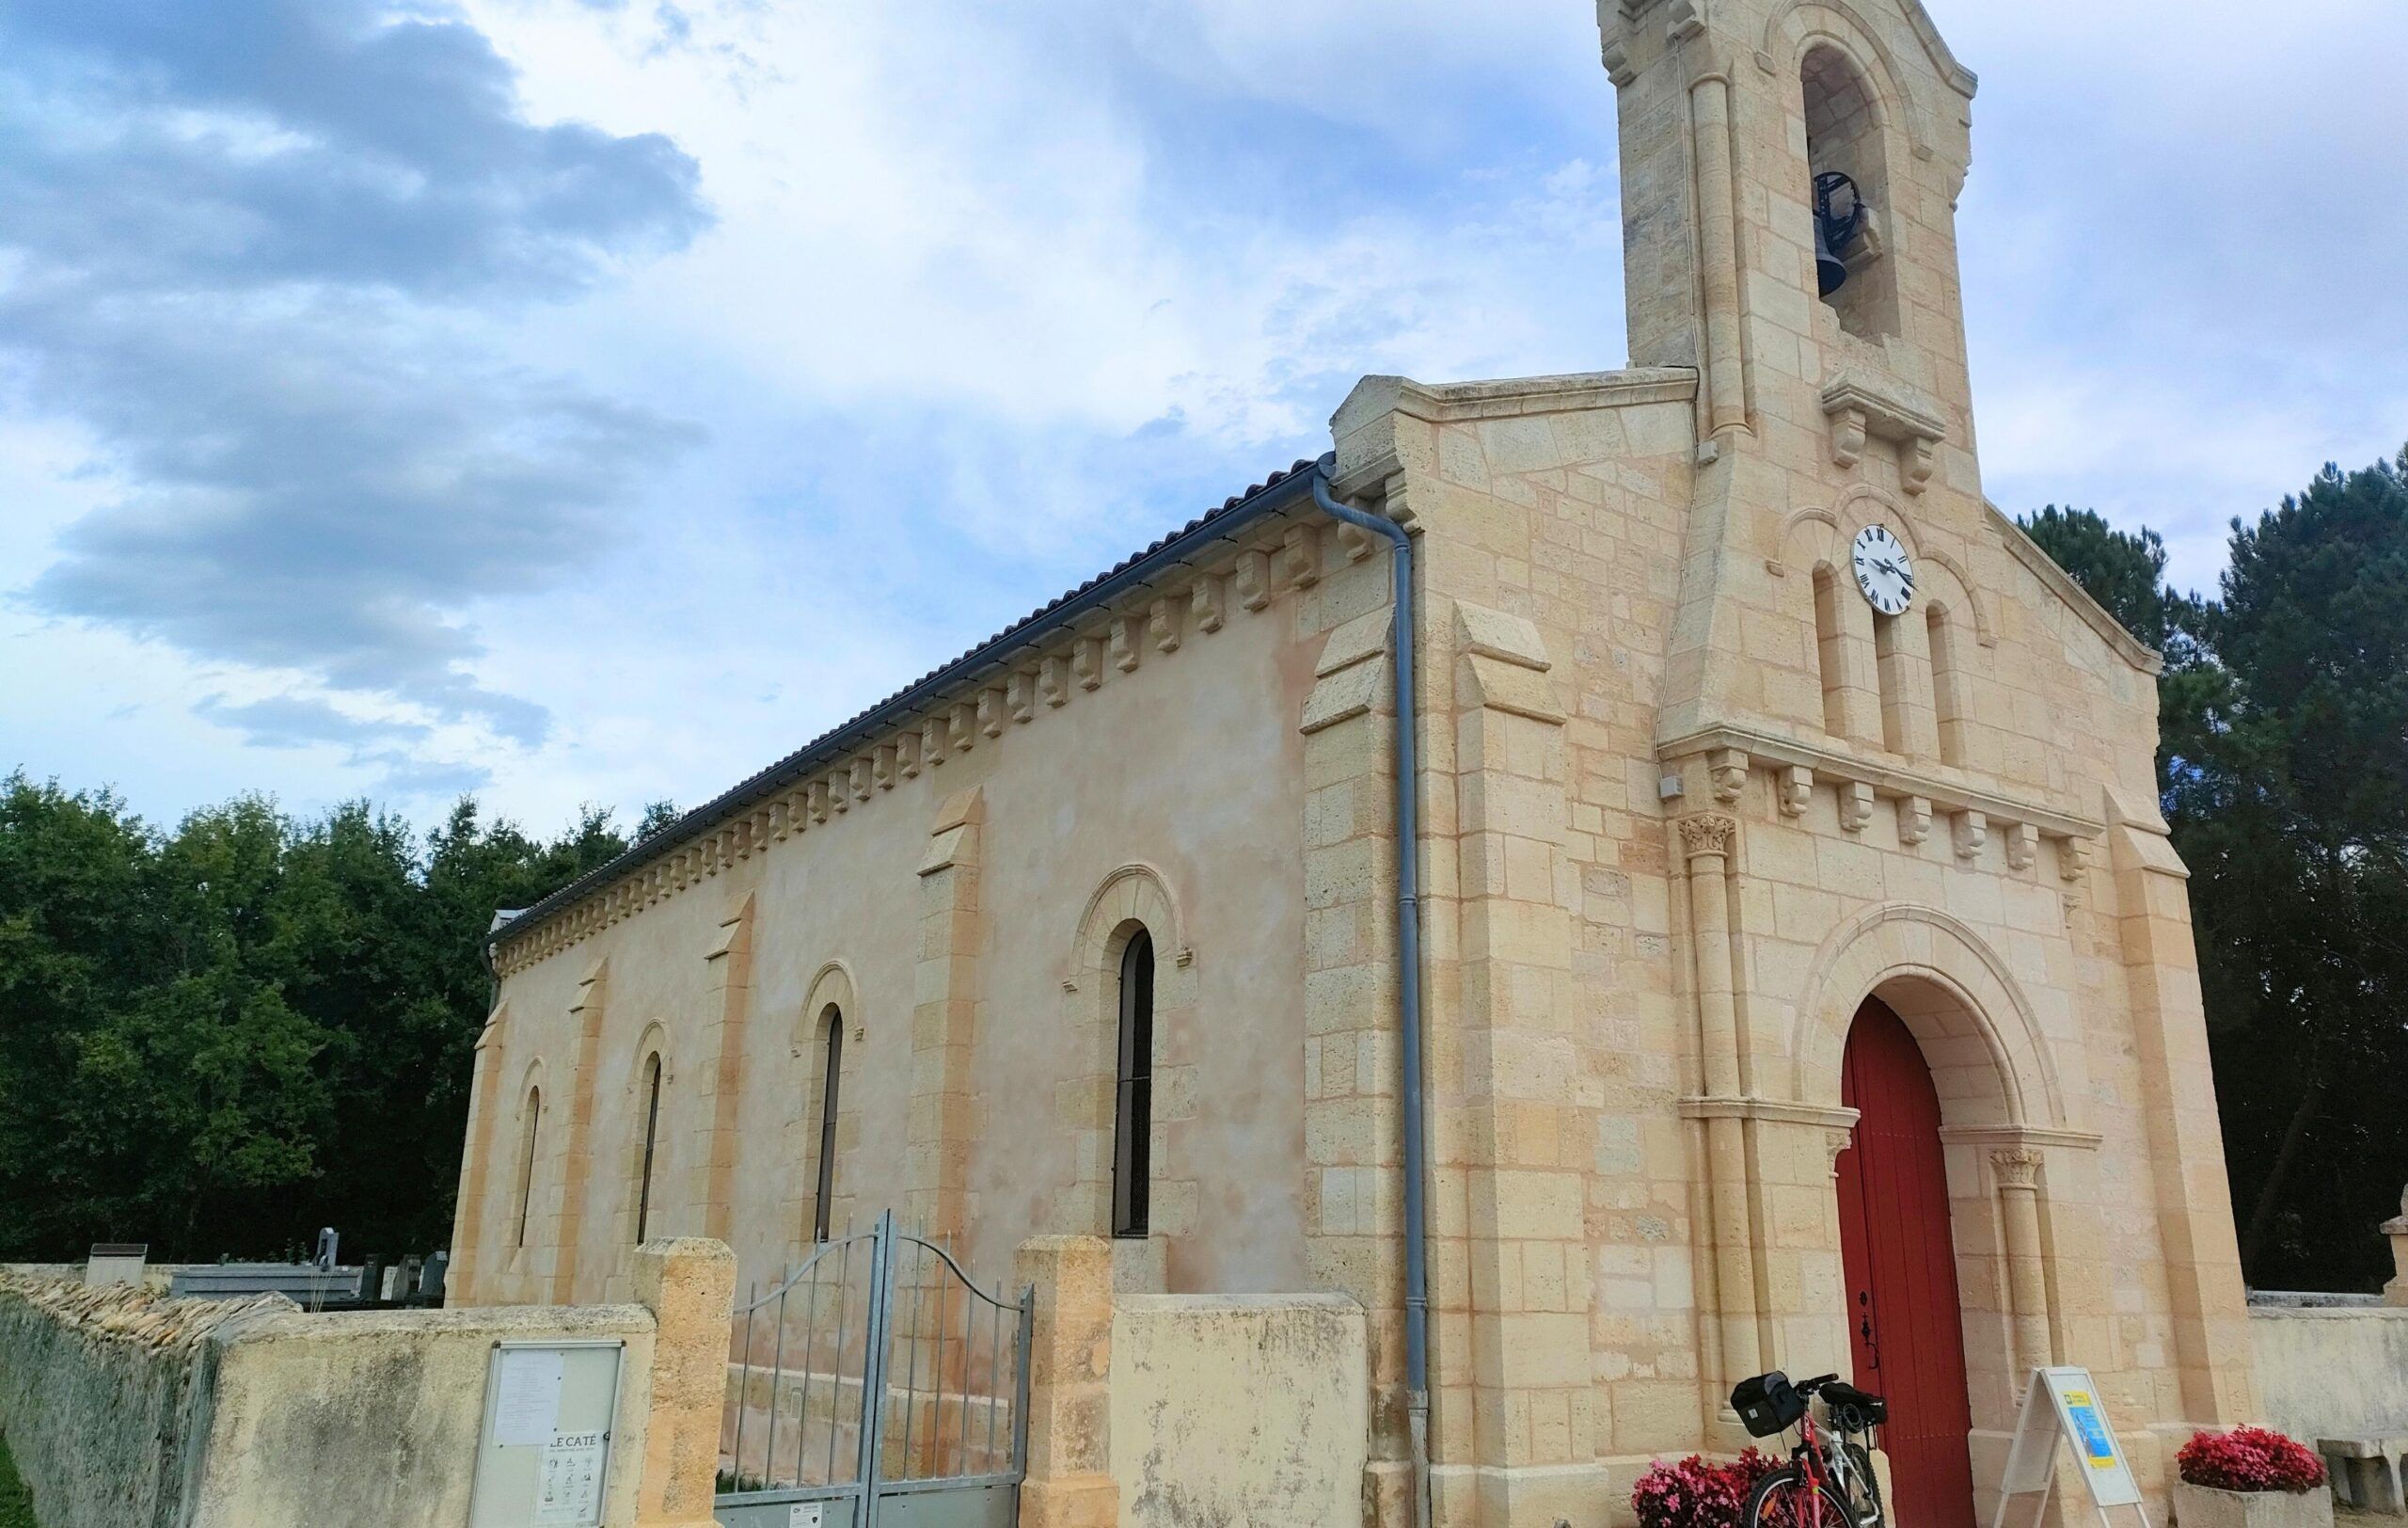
1070	1482
690	1285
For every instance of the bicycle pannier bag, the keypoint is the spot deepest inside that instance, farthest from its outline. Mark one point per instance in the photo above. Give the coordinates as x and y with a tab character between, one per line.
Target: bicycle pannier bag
1768	1404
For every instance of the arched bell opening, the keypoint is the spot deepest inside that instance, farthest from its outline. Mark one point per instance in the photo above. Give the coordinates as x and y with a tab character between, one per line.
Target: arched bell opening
1848	187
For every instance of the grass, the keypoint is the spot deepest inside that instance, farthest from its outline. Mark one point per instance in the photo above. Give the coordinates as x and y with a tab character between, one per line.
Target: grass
16	1507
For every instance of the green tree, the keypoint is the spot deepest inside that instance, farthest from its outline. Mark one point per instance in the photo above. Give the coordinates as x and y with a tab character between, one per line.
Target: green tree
218	1039
2284	708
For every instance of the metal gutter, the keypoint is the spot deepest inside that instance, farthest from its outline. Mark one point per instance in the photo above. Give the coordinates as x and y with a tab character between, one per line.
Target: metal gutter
1408	958
1280	492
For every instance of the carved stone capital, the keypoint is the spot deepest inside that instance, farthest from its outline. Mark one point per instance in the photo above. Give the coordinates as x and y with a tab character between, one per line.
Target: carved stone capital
2017	1167
1708	833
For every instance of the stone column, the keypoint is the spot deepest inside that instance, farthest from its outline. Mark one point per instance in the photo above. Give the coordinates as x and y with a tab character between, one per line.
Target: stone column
2396	1292
469	1214
1354	1165
690	1285
1718	253
2018	1169
942	1118
1515	1336
1069	1482
2211	1345
712	1171
576	1155
1707	842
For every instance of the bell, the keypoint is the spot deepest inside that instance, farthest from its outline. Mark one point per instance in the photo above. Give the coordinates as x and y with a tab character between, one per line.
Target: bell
1830	271
1835	230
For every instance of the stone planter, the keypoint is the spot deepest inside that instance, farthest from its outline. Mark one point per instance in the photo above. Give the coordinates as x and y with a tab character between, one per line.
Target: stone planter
2203	1507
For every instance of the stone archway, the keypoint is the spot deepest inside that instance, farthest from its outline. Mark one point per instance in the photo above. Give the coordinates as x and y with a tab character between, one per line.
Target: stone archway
2004	1116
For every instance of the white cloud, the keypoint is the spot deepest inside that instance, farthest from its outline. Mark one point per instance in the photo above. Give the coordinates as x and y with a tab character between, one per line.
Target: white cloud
995	294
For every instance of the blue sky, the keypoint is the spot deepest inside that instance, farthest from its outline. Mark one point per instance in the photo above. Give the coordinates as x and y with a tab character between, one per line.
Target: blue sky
589	402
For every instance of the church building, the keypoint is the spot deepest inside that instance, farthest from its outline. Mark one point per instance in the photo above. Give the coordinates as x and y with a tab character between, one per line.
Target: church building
1766	950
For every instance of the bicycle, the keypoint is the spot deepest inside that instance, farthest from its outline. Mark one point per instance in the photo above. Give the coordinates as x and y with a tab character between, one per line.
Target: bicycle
1824	1484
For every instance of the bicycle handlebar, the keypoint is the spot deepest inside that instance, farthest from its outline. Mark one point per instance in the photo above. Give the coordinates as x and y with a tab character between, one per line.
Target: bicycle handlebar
1808	1387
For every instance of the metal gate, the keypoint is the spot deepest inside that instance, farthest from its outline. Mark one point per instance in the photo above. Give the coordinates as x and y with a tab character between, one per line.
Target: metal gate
909	1407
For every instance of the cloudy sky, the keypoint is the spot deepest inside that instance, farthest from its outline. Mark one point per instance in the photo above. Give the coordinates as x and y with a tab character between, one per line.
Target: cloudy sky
589	400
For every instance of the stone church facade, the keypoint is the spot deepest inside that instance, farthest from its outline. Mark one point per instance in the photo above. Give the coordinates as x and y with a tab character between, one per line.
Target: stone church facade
1701	822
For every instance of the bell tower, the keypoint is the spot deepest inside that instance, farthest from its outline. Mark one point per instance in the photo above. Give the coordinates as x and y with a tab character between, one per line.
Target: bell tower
1790	175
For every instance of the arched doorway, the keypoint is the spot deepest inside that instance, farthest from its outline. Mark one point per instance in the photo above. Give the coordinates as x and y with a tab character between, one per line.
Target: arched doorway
1905	1325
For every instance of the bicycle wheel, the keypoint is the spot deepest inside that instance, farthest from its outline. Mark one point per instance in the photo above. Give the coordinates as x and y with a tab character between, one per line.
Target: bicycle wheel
1863	1480
1783	1500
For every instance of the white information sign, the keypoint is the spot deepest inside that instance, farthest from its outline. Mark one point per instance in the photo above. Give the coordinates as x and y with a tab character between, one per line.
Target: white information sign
806	1514
569	1489
544	1452
2063	1403
527	1396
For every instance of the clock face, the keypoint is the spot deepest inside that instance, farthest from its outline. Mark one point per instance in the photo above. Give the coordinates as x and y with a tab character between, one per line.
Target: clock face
1883	570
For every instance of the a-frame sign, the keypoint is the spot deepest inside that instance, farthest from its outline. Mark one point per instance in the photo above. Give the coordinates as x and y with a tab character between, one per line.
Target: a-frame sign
2064	1403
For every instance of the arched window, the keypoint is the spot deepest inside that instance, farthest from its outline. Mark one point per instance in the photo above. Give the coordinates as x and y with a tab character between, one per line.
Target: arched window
650	1139
1830	651
1890	664
1947	686
1133	1094
527	1160
1843	137
831	1064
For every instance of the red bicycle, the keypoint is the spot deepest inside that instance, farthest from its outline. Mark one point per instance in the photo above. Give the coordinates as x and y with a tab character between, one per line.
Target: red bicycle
1824	1483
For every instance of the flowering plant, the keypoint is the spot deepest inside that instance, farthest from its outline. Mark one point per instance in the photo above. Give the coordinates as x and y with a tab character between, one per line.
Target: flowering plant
2249	1460
1696	1494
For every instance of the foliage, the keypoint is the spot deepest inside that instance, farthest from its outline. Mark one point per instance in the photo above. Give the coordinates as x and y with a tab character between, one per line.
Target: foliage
2249	1460
1697	1494
217	1039
16	1503
2285	709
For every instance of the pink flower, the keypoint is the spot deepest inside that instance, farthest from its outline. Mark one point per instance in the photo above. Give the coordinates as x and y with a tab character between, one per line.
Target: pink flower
2249	1460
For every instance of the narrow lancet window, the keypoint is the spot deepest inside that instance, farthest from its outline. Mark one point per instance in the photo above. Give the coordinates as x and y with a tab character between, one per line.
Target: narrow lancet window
832	1062
650	1137
1133	1095
527	1160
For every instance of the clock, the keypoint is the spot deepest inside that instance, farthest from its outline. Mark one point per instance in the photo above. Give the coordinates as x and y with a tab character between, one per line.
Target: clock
1883	570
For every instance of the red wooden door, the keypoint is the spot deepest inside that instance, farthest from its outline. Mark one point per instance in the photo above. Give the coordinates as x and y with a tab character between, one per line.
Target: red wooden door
1901	1270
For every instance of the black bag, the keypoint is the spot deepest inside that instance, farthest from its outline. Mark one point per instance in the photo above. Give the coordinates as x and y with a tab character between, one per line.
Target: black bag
1768	1404
1854	1410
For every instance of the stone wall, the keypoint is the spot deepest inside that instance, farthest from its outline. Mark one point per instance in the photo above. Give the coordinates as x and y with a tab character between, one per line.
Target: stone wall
127	1409
2332	1372
98	1398
1249	1408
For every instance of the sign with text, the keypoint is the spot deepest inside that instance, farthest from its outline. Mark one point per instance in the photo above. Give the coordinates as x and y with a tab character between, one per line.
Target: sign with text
543	1451
2063	1403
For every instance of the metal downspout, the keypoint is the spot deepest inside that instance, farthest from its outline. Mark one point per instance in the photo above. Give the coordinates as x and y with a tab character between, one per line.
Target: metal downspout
1408	954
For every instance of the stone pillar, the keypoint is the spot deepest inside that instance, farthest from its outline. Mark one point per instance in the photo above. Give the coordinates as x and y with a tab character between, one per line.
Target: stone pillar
1718	253
2018	1169
468	1216
592	994
942	1118
2396	1292
1069	1482
690	1285
730	1005
1354	1164
2211	1345
1525	1121
1707	843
